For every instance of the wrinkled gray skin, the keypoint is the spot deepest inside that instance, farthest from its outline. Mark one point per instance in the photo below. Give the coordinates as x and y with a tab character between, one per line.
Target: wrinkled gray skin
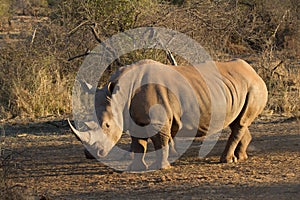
246	96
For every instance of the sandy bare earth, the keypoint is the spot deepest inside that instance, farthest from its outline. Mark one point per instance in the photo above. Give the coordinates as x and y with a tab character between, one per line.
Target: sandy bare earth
47	162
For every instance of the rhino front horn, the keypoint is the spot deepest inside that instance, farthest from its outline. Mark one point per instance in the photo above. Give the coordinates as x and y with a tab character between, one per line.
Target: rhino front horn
82	136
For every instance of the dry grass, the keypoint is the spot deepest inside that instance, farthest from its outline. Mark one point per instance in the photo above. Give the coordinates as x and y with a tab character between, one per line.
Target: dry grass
45	98
284	90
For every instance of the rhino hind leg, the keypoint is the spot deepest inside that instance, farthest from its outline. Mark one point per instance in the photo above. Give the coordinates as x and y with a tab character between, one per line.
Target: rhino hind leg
237	144
240	151
240	136
228	155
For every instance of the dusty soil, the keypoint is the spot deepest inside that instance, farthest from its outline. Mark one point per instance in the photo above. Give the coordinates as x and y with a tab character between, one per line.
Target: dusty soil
47	162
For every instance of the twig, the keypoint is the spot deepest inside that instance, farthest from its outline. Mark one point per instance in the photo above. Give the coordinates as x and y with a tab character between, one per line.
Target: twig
80	55
108	48
171	57
77	27
88	52
281	21
273	70
165	45
98	39
278	65
33	36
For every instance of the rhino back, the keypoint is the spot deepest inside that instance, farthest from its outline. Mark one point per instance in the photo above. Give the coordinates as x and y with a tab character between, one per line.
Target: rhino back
149	83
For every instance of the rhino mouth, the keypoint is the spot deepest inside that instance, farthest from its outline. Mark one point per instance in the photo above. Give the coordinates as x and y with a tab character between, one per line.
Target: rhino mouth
94	154
97	150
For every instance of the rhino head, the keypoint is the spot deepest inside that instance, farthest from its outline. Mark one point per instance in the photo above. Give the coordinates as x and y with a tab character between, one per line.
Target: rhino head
103	135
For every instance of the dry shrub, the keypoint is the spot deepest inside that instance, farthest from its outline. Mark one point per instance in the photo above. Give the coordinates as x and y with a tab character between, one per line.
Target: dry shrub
34	79
283	82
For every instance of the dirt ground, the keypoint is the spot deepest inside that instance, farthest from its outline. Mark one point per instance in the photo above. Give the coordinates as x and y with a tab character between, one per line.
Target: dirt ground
47	162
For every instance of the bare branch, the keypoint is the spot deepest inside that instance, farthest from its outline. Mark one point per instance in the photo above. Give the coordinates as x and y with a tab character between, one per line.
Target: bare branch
95	33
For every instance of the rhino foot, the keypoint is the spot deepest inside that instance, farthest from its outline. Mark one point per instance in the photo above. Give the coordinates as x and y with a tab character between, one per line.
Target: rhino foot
228	159
173	153
159	165
137	166
242	156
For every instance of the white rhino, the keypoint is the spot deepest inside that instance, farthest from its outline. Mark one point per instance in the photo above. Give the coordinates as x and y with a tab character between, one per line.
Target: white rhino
243	91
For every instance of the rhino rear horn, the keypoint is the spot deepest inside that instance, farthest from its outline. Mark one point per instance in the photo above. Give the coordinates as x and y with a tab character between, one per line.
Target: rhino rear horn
82	136
92	125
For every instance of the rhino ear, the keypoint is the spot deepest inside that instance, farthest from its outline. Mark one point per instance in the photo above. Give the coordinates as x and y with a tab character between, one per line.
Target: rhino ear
91	125
111	87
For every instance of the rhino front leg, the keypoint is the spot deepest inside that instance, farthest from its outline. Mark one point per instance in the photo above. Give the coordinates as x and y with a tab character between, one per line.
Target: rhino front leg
139	148
161	146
